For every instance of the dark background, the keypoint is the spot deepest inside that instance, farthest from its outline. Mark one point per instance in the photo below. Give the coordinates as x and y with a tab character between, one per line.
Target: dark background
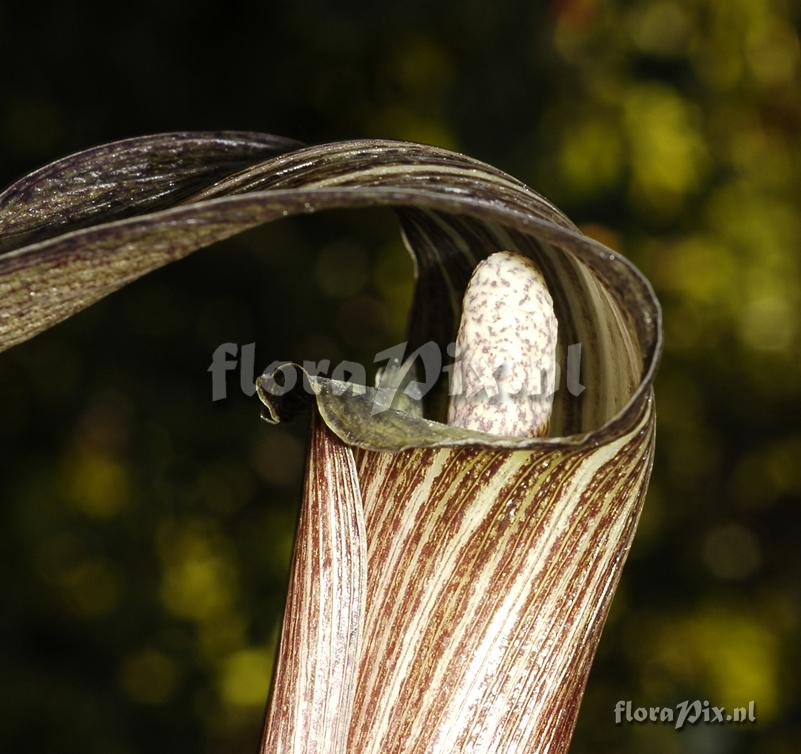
145	531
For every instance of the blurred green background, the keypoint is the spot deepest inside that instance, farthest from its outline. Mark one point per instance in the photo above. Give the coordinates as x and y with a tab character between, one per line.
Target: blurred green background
145	531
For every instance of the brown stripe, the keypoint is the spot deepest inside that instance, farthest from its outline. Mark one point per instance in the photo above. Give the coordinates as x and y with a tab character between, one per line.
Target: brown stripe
313	683
491	575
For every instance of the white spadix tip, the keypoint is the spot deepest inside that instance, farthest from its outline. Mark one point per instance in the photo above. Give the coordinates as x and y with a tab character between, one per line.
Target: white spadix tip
504	375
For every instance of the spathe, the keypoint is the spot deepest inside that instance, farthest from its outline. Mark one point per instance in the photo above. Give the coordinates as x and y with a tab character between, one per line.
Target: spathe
490	562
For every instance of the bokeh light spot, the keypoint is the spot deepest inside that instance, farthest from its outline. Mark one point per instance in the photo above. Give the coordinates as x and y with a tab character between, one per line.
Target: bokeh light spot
149	676
245	677
96	485
199	579
732	552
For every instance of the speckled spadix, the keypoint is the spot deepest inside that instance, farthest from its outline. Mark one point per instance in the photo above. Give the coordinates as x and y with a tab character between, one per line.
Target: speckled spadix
505	369
448	586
